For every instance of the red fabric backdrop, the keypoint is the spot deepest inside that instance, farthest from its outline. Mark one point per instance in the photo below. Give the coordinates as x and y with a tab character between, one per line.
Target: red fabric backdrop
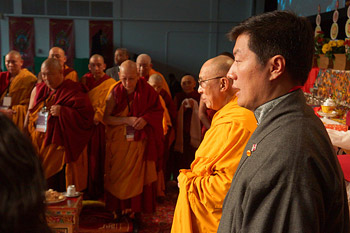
22	39
101	40
62	35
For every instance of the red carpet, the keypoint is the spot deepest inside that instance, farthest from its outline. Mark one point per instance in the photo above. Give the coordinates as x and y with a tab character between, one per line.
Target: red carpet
94	218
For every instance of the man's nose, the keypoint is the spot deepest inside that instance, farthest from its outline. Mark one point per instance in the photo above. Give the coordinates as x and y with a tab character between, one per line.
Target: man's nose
231	74
200	89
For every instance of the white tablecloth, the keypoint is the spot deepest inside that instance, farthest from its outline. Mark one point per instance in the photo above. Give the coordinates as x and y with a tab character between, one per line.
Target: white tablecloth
339	138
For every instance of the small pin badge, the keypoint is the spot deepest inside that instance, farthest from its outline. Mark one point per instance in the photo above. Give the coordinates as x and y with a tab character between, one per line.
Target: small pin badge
253	147
249	153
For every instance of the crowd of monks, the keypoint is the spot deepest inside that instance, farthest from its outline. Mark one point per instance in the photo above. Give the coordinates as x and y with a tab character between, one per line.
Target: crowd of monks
119	134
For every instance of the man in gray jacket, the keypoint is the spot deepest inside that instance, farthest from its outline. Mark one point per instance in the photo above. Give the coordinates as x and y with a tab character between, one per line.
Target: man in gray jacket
288	179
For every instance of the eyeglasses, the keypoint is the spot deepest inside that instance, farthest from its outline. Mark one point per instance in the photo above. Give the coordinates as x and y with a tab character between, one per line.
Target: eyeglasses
203	84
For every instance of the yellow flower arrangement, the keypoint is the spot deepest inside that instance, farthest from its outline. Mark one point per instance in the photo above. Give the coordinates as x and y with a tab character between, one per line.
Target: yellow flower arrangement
332	47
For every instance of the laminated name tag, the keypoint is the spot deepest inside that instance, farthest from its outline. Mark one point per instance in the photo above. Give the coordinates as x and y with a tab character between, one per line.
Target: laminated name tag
130	133
41	122
6	102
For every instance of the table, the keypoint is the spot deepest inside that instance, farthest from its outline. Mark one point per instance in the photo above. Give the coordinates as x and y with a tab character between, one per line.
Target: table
339	139
63	217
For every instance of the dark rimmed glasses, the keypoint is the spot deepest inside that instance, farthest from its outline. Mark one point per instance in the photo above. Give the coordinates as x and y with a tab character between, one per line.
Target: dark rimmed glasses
203	84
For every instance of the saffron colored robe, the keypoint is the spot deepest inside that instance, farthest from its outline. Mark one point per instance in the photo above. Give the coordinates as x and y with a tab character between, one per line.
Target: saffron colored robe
98	90
20	89
204	186
130	171
70	73
67	135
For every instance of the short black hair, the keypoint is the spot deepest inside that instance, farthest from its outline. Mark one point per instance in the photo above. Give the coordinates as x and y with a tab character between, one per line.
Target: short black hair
280	33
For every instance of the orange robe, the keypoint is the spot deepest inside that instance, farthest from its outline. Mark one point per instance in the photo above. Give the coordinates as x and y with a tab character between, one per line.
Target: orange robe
98	90
70	73
65	141
130	167
204	186
20	89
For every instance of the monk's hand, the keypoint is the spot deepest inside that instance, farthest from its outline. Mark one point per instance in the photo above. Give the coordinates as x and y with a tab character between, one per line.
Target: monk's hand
131	121
8	112
55	110
139	123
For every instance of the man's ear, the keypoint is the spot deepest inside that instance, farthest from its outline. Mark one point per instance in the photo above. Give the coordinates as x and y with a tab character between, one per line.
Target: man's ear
224	84
277	66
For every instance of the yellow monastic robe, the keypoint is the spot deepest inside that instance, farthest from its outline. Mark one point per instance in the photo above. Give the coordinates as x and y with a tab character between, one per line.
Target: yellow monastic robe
73	75
126	171
204	186
98	98
165	84
53	159
20	89
166	116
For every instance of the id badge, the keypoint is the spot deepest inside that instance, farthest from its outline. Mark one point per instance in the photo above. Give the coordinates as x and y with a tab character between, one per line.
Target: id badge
6	102
130	133
41	122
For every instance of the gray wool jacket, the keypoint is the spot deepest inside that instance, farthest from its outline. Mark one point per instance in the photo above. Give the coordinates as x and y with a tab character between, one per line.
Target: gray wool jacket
292	181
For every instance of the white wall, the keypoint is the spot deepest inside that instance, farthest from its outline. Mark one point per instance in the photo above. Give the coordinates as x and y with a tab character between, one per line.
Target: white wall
179	35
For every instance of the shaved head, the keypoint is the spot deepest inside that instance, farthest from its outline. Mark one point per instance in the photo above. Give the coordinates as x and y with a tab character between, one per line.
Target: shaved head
144	58
13	62
144	65
97	57
52	64
215	88
128	65
59	54
15	53
218	66
128	75
156	81
156	78
97	66
52	73
188	83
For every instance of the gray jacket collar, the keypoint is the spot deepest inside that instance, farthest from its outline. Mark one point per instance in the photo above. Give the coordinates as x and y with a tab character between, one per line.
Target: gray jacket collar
261	112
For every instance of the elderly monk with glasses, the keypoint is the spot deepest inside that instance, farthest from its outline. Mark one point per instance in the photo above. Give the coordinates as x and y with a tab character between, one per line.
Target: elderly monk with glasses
203	187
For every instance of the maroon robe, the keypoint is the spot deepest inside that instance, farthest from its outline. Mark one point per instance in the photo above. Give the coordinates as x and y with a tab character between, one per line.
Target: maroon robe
72	129
145	104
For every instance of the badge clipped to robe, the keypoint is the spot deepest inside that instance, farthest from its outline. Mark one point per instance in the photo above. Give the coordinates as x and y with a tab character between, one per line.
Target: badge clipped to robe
130	133
6	102
41	122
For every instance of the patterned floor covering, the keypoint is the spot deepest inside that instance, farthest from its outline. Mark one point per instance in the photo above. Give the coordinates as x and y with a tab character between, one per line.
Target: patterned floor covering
94	218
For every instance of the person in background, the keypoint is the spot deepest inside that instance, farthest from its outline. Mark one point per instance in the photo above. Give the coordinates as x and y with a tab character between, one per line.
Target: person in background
22	183
16	85
120	55
60	55
145	69
188	133
134	135
204	186
98	84
288	179
206	116
60	124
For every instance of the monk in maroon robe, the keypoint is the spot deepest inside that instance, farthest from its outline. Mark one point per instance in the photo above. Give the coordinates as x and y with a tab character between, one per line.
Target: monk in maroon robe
61	142
134	143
